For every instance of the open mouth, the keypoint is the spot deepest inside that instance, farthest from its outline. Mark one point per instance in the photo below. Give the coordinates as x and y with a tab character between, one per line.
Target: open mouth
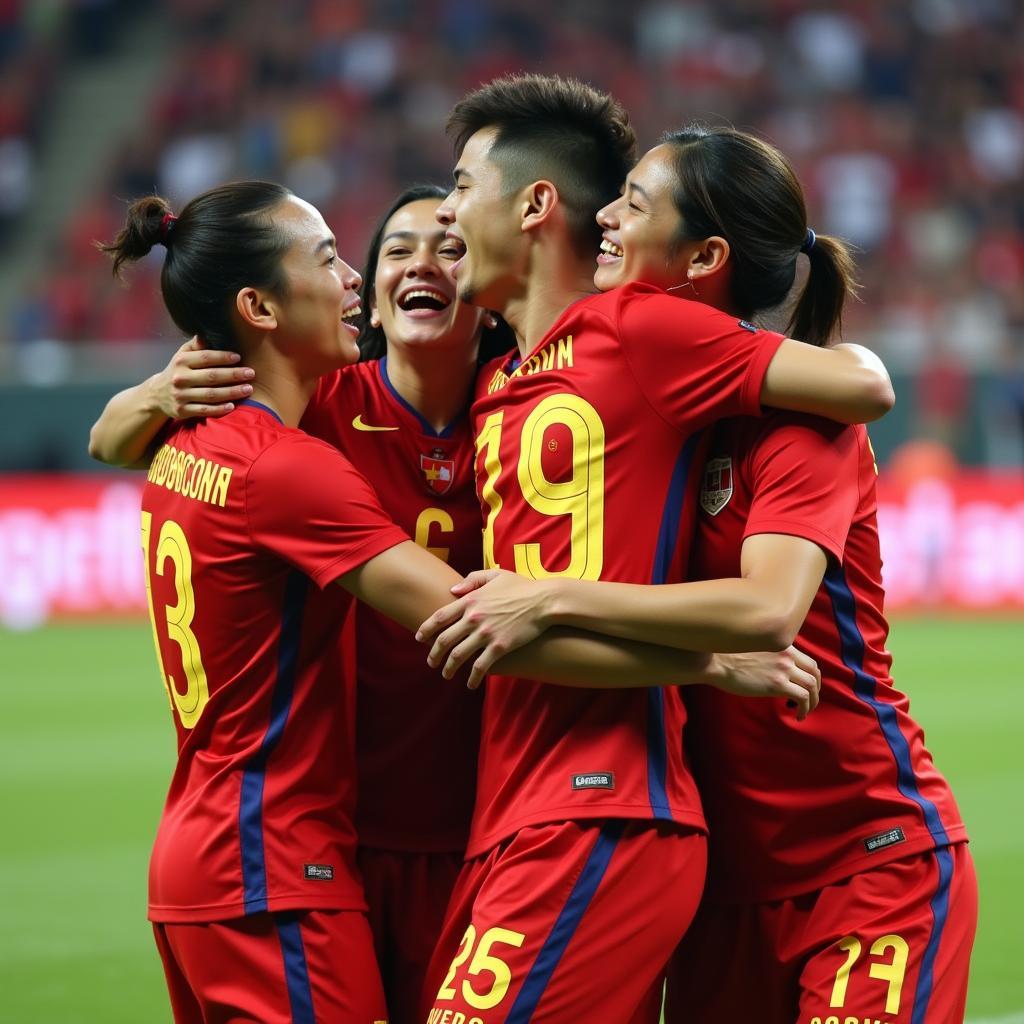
609	253
424	302
350	317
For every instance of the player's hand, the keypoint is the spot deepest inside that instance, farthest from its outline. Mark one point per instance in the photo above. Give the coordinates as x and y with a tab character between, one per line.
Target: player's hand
201	382
790	674
502	614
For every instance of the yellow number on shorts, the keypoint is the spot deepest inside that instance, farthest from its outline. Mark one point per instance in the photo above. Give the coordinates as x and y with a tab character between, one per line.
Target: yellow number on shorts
852	948
483	961
893	972
465	948
172	545
581	497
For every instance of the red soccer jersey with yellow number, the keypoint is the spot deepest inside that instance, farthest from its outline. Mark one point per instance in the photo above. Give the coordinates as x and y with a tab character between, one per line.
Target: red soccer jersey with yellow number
245	524
793	806
584	456
417	733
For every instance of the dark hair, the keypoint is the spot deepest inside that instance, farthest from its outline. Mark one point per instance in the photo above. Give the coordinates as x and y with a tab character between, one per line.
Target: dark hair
559	129
223	241
372	342
732	184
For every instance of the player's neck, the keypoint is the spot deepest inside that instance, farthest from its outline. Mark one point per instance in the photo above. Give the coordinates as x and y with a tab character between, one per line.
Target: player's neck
281	388
438	385
556	279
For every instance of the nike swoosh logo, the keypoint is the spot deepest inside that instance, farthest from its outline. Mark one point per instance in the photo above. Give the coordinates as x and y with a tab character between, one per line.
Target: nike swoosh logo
360	425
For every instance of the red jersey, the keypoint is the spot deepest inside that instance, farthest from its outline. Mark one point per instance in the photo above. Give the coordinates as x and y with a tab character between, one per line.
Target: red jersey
240	517
584	451
794	806
417	733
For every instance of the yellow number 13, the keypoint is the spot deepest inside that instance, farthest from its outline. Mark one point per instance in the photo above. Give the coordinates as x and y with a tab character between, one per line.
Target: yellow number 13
173	545
581	497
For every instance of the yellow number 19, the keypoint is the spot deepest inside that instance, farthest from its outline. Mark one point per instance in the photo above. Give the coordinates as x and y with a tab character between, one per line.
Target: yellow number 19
173	546
581	497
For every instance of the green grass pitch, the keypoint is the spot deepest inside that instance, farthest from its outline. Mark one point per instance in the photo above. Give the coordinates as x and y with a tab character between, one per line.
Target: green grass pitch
86	748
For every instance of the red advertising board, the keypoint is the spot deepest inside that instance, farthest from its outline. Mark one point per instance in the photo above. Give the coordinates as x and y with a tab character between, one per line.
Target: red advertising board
69	545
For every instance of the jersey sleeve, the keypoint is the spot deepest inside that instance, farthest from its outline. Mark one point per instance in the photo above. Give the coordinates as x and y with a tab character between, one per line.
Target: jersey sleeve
308	504
805	481
695	364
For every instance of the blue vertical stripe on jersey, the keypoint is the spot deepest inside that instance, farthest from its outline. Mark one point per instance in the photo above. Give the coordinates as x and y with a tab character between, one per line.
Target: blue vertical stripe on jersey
296	971
566	924
940	910
250	810
668	539
844	609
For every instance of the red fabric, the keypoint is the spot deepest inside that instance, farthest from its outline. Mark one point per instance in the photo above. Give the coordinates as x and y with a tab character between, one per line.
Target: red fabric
407	894
777	963
264	783
221	973
793	806
606	950
625	379
417	734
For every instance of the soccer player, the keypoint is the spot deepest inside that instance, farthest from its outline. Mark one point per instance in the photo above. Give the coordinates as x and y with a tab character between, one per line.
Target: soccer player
840	885
254	891
401	417
587	852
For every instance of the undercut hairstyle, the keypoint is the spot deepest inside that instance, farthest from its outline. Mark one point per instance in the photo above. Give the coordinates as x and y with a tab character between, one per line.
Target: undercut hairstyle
733	184
554	129
373	343
223	241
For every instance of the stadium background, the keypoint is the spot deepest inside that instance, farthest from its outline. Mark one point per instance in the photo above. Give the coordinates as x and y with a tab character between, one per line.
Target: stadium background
906	123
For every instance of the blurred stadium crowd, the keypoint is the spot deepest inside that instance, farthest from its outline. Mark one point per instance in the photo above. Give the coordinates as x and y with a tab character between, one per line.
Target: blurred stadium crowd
905	121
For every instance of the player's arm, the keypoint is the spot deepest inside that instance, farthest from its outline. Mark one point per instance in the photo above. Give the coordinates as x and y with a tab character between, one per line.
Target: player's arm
761	610
196	382
845	383
408	584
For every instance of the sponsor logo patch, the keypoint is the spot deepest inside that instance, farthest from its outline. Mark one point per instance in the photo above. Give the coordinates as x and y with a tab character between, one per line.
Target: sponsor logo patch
438	472
884	839
716	487
318	872
594	780
747	326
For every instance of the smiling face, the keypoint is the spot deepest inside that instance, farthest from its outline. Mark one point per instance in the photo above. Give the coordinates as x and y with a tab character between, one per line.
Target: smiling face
414	289
315	311
641	226
483	215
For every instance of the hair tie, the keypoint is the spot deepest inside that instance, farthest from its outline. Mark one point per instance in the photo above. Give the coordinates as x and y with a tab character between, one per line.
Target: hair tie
167	222
809	241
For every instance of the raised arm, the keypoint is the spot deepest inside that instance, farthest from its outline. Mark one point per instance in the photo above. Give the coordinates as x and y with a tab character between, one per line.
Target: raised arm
196	382
408	584
845	383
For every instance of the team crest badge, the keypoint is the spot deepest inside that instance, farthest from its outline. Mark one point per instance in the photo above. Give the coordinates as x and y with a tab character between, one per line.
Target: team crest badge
716	490
438	472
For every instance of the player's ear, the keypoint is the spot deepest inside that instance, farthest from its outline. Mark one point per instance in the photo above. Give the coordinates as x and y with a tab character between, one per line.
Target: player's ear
539	202
256	309
708	257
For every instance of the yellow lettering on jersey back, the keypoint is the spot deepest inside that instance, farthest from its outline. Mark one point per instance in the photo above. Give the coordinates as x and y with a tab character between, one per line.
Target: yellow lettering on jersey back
554	356
190	477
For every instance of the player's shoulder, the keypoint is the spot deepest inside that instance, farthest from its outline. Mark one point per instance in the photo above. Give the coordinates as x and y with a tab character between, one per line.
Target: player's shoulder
803	434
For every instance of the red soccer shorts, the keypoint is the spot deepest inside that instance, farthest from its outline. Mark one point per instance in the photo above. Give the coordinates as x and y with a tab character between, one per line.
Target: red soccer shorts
303	967
891	945
408	895
565	923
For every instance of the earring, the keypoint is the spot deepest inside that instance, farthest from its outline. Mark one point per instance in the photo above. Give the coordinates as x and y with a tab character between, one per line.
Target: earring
375	320
688	283
490	320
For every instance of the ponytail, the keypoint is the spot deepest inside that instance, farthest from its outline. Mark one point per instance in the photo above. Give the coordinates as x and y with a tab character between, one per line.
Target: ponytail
818	313
147	224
